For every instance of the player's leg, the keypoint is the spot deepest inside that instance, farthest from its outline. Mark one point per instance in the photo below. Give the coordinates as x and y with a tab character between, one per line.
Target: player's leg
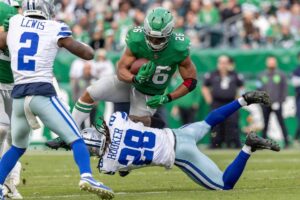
266	114
4	120
138	106
278	113
105	89
204	171
13	179
20	137
53	114
198	166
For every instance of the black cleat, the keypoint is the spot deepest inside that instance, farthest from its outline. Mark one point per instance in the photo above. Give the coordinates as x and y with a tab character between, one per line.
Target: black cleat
58	143
261	97
123	173
259	143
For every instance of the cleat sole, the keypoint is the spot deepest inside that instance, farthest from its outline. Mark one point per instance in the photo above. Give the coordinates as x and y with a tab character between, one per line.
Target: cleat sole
101	193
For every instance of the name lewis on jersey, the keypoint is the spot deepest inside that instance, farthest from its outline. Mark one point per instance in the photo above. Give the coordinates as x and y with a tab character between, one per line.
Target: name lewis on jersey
33	23
115	144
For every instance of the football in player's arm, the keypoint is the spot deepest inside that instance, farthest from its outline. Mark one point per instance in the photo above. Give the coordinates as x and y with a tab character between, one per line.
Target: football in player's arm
165	50
35	34
187	71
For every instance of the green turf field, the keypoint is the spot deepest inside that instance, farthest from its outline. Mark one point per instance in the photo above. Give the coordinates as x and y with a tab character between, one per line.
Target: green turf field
53	175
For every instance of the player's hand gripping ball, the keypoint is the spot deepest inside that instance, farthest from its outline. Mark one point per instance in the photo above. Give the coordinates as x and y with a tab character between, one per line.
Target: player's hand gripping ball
137	64
145	72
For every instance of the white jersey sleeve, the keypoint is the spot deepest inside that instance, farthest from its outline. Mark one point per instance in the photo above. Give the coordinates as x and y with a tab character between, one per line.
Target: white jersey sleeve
33	47
134	146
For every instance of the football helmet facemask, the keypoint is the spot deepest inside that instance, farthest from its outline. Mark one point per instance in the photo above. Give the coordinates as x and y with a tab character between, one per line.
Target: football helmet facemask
96	139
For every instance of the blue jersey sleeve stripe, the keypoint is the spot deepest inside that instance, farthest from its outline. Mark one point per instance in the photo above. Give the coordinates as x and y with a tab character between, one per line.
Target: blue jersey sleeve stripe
64	34
65	28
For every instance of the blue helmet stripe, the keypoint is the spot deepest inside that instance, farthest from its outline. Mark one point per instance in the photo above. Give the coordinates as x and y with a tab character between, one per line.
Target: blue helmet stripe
33	4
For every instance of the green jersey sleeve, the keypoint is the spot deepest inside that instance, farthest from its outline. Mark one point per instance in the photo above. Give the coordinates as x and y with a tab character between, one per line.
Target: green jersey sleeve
5	11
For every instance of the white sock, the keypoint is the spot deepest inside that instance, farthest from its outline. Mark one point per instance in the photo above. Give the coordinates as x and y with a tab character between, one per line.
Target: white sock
247	149
242	101
81	111
86	175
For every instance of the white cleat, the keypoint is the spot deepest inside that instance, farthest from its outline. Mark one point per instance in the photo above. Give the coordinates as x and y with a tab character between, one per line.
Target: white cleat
15	174
10	190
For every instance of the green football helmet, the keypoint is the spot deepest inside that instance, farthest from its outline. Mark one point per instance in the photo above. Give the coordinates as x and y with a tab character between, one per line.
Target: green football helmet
158	27
14	3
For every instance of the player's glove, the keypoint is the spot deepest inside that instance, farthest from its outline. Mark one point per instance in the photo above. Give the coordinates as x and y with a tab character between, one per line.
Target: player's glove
145	72
6	22
158	100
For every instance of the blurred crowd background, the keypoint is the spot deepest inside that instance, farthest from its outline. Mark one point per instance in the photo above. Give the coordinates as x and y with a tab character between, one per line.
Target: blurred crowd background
237	45
209	23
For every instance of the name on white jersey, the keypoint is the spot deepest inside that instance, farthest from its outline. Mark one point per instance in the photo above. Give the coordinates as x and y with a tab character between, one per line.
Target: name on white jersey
33	23
115	144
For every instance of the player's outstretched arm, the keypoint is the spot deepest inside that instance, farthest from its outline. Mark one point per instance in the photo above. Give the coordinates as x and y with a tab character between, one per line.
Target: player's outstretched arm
77	48
188	73
3	36
124	65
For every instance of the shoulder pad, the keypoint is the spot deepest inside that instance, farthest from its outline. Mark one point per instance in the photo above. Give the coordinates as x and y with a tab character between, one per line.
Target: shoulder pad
181	42
64	30
117	115
135	35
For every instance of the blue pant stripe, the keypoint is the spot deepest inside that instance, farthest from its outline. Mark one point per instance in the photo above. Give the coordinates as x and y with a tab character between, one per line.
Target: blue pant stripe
65	118
71	118
217	186
193	176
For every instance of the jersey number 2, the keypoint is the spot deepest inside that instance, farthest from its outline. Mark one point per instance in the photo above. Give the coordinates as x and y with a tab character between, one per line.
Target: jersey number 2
33	38
138	148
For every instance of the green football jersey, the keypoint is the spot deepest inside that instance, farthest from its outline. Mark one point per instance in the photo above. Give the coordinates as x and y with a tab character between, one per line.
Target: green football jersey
6	75
166	60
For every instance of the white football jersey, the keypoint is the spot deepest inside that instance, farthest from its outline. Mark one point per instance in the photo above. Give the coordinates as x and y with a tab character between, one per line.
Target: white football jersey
134	146
33	46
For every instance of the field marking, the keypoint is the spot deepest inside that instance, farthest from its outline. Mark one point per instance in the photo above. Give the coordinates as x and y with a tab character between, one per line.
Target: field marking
153	192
